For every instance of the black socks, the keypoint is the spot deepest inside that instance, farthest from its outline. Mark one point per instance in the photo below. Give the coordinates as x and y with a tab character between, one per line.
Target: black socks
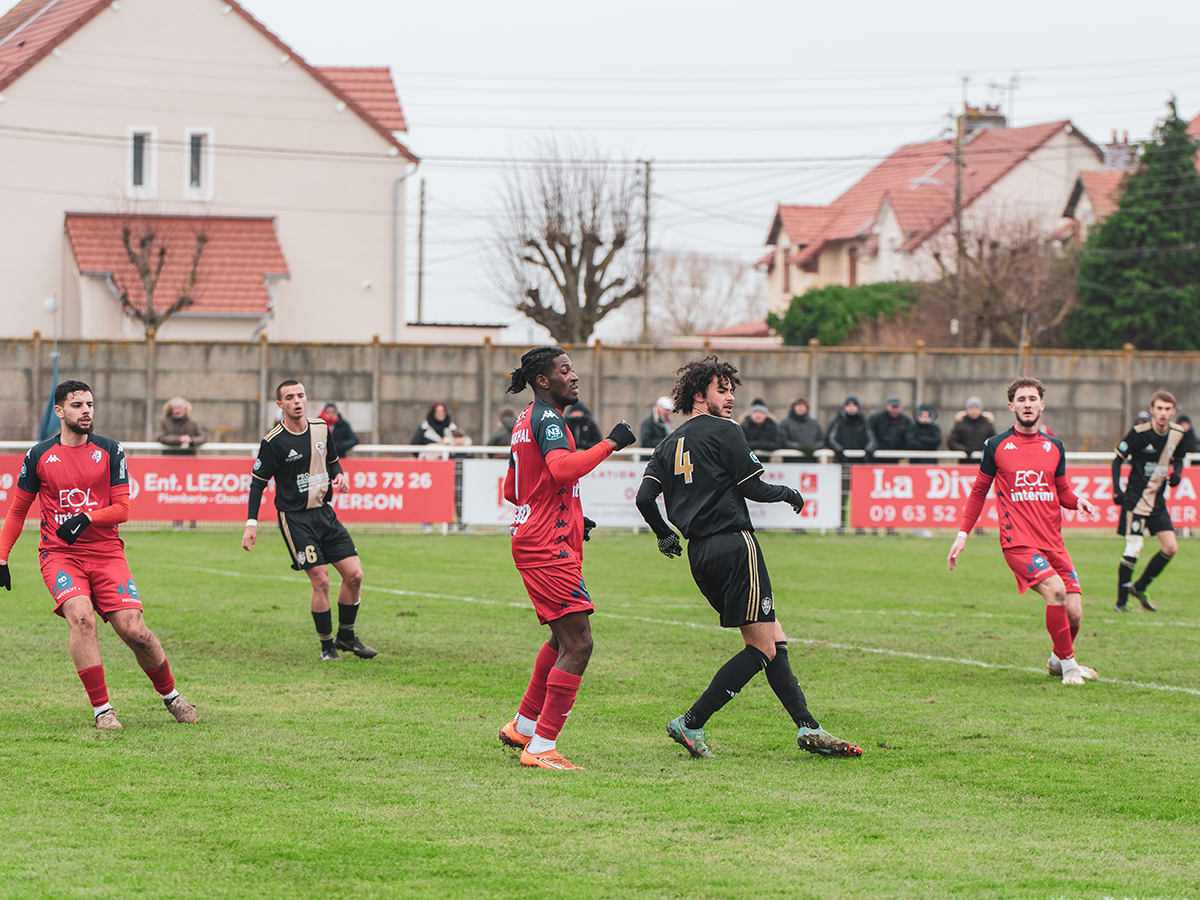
1153	568
324	623
729	680
1125	578
346	617
787	688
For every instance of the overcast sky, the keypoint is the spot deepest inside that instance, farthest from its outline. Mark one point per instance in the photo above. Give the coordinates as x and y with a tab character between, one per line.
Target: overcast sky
831	87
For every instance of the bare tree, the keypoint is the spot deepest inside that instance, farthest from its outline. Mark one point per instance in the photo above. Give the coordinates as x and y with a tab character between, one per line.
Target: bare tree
564	242
148	252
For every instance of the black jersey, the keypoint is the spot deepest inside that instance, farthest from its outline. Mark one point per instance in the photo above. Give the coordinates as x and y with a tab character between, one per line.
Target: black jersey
301	464
705	470
1149	454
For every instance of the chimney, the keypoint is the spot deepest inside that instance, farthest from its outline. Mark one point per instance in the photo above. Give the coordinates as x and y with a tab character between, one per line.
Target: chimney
981	118
1119	156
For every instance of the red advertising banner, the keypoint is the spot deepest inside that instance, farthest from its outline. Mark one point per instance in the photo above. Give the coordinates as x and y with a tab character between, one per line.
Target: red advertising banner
216	489
934	497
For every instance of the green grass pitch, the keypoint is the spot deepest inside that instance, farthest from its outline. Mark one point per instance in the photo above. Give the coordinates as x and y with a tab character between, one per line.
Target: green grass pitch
384	778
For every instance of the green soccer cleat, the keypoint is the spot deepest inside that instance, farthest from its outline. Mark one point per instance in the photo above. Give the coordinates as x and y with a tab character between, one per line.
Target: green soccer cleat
1140	593
818	740
691	738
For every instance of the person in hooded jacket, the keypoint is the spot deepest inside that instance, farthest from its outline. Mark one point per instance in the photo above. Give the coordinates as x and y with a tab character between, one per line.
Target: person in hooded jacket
890	424
923	433
799	430
501	435
762	432
972	426
581	425
849	431
340	429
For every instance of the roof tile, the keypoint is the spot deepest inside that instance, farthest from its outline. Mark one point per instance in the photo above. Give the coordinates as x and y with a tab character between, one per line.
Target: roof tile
373	89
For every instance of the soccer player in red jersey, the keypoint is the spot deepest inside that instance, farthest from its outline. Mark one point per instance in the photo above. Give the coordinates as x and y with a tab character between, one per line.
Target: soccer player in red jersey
1029	469
82	483
548	532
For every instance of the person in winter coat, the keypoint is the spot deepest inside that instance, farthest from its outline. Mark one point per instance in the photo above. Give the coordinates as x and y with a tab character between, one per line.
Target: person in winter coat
799	430
177	429
849	431
890	425
762	432
583	427
435	429
501	435
971	428
1188	442
923	433
657	425
342	431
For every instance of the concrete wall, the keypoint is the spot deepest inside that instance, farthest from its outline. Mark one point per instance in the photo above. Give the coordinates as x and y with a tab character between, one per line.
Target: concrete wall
1091	397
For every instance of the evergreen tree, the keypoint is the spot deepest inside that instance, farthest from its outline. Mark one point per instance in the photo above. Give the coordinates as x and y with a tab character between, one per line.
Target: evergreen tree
1139	274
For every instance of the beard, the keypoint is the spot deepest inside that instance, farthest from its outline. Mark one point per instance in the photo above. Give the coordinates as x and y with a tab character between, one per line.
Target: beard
1037	417
80	429
715	408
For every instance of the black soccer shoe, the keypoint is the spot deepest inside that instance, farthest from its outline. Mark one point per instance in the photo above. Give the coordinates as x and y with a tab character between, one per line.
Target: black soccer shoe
330	655
1140	593
357	647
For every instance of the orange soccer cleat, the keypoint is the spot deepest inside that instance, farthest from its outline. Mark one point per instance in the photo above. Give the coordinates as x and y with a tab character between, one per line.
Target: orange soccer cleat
547	759
510	737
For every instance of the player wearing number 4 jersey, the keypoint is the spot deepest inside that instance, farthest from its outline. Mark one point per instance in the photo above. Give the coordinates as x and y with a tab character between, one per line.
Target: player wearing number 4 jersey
1029	470
301	455
548	532
82	485
706	472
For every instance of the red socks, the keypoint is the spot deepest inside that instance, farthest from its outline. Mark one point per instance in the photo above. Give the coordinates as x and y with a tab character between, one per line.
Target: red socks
93	682
561	688
1059	627
161	678
535	694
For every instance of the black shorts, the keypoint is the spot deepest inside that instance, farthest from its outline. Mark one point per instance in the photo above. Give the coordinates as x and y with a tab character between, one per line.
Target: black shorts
315	537
1159	520
731	574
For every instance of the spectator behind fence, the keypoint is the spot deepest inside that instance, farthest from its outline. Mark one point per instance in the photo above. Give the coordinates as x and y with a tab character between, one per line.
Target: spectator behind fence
342	432
761	430
890	425
923	433
799	430
1189	442
178	430
849	431
501	435
585	430
435	429
657	425
972	427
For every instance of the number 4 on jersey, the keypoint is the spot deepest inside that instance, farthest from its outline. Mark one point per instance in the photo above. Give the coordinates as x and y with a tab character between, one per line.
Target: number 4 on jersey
683	463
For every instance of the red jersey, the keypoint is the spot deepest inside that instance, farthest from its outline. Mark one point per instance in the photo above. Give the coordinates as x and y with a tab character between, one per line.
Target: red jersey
1030	472
72	480
548	527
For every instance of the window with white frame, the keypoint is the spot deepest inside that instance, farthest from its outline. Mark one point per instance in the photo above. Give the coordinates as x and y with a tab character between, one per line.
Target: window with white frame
198	164
142	164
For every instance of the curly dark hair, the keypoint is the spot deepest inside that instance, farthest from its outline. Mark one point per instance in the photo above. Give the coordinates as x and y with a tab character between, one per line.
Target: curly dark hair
537	361
696	376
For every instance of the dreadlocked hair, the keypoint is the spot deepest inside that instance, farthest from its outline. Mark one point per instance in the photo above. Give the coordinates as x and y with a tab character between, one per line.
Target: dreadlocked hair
696	376
537	361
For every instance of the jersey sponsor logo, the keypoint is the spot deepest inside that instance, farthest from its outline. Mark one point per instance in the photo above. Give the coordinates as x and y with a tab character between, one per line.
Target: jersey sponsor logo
128	590
52	458
62	582
1149	448
520	436
549	414
1009	446
74	498
554	432
1039	563
97	455
305	480
1028	485
292	455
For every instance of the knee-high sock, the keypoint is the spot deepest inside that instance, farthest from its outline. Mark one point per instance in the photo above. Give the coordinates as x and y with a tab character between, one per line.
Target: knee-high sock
561	688
1157	563
535	694
161	678
93	682
1059	627
324	625
729	680
347	613
783	682
1125	578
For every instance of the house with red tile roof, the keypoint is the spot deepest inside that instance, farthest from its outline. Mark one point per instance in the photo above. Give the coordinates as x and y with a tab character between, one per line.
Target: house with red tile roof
186	119
890	225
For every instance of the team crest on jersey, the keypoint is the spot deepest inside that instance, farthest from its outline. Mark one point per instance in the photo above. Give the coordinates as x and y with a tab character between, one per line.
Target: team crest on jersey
1009	446
767	604
62	581
97	456
320	446
1046	445
554	432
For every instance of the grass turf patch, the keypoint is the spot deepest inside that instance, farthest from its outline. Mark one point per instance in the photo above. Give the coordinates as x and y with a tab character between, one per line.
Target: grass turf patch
982	777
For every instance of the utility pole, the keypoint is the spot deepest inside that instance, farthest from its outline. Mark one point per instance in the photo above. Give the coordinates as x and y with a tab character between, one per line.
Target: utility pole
421	258
646	253
960	247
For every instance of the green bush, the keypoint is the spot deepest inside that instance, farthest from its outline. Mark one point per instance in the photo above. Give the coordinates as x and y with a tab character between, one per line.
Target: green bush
829	314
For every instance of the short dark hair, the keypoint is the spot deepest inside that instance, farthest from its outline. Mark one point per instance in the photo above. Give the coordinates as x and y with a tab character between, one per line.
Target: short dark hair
1025	381
66	388
696	376
1164	396
282	385
535	362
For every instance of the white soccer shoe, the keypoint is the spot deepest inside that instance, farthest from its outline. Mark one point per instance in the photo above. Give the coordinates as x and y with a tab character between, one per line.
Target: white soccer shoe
1054	668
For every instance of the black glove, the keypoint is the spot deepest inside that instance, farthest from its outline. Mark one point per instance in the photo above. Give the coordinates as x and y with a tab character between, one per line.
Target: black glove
669	546
622	435
71	529
1138	525
1176	477
588	525
5	578
1118	497
796	501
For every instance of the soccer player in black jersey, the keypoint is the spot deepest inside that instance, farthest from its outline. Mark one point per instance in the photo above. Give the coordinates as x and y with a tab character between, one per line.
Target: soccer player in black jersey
1151	449
300	454
706	472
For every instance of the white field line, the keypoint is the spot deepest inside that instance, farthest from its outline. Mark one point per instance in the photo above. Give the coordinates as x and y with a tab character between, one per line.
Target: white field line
904	654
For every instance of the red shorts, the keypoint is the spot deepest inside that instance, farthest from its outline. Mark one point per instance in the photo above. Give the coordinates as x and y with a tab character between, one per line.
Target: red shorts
557	591
105	579
1033	566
